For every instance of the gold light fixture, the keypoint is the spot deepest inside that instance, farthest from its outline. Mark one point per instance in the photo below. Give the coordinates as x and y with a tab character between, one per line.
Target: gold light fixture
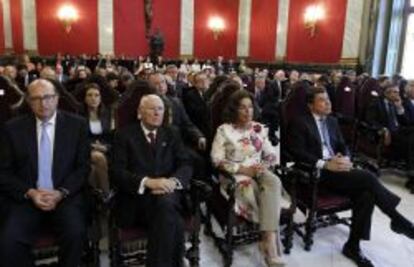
216	25
313	14
67	14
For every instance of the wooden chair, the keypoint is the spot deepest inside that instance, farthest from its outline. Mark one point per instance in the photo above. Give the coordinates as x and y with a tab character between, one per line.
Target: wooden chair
319	206
237	230
46	249
128	246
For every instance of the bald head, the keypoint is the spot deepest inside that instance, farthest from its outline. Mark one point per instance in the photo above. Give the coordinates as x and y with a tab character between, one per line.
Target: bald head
42	98
151	111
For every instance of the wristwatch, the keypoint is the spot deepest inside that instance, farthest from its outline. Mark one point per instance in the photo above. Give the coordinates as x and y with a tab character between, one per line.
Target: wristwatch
64	191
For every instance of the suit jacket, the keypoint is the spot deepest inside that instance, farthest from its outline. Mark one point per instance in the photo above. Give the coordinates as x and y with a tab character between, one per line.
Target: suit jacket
180	119
378	117
133	160
18	156
198	111
304	141
409	111
106	119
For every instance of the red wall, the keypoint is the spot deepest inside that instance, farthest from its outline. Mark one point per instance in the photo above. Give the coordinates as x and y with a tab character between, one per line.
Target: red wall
51	35
17	26
263	30
326	45
129	28
1	29
204	44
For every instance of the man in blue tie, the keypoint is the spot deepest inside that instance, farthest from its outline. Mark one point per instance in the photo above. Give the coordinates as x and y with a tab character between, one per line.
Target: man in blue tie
316	139
389	116
44	160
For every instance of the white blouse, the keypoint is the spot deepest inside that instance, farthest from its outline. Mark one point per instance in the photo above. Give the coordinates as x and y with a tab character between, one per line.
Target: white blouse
233	147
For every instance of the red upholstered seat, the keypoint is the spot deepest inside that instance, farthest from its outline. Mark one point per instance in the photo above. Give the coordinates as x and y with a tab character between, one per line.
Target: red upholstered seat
330	201
135	233
46	239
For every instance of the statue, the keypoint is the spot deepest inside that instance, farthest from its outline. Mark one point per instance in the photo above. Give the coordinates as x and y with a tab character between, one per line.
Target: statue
148	17
155	40
156	43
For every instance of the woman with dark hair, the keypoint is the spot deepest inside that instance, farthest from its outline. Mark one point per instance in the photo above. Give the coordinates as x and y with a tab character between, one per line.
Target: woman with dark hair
100	126
219	100
242	147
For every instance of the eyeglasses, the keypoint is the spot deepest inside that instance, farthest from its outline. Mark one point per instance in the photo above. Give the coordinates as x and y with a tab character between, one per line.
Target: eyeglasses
45	98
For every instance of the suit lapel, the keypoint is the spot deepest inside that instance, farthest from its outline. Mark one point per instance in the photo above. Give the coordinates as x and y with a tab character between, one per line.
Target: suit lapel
143	144
331	132
314	129
59	146
160	144
32	146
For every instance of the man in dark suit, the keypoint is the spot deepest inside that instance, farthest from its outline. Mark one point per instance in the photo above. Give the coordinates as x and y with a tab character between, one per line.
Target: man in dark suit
44	160
196	105
388	114
316	140
195	141
150	168
408	104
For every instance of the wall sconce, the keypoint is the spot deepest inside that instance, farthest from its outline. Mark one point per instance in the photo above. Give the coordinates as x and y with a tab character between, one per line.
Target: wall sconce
313	14
67	15
216	25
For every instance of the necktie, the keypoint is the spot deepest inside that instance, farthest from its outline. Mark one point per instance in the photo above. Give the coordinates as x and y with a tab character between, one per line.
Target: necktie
151	137
45	161
325	137
393	124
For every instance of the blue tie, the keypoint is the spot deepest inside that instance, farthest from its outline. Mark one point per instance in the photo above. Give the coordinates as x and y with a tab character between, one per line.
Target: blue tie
325	136
45	161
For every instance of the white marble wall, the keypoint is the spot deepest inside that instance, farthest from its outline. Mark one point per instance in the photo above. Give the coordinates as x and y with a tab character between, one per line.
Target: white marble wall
243	35
29	25
282	29
8	37
187	27
106	26
352	32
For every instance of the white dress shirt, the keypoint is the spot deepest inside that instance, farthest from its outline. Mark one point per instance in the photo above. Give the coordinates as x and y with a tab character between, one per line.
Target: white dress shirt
325	150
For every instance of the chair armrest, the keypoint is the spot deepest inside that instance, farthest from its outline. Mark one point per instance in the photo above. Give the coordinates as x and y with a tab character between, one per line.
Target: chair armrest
200	187
305	172
231	187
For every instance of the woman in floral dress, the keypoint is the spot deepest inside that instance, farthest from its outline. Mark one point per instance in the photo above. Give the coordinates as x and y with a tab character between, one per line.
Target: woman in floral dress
242	147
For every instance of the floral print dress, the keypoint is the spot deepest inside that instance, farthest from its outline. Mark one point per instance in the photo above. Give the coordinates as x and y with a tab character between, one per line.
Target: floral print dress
234	147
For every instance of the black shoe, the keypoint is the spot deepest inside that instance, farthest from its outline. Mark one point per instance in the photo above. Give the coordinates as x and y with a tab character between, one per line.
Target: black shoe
405	228
410	183
356	256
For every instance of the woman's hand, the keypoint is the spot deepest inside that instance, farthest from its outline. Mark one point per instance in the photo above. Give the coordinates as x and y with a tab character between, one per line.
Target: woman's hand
99	146
251	171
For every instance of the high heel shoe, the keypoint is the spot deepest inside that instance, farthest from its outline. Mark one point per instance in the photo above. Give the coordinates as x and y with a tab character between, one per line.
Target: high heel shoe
276	261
